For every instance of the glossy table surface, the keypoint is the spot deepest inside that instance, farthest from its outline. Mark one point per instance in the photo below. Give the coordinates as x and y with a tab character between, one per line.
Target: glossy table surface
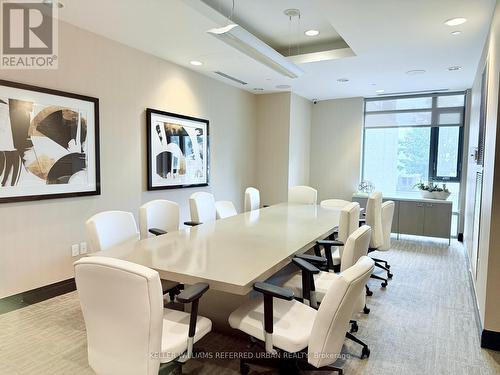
231	254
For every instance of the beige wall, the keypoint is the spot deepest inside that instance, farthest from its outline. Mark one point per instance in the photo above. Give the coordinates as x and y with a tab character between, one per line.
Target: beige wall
36	236
271	153
336	139
488	268
300	141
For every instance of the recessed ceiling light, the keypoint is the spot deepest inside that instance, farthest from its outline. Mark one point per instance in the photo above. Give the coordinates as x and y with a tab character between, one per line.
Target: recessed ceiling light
342	80
380	91
312	32
455	21
415	72
456	67
455	33
283	86
196	62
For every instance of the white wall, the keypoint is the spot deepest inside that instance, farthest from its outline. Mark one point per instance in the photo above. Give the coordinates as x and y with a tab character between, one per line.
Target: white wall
36	236
336	138
300	141
488	270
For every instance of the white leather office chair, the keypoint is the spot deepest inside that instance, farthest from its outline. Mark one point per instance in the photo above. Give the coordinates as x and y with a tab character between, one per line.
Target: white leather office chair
387	217
373	218
158	217
355	247
128	330
252	199
348	223
290	326
302	195
109	228
225	209
202	208
334	203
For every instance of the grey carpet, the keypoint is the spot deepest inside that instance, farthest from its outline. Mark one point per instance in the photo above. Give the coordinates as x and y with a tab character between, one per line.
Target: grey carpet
424	322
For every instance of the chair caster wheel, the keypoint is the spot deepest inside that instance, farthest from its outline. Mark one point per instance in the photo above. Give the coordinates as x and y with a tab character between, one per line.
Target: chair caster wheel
369	293
354	327
384	284
245	369
389	275
366	310
388	266
365	353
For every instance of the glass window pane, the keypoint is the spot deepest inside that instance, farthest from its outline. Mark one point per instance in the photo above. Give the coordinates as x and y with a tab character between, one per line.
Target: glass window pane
447	157
451	101
396	159
450	118
398	119
394	104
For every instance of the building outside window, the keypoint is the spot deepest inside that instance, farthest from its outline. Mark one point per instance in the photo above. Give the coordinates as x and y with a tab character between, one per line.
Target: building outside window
414	139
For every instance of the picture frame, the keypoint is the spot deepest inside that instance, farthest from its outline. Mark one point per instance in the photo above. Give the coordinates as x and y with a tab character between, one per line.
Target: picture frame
178	152
49	144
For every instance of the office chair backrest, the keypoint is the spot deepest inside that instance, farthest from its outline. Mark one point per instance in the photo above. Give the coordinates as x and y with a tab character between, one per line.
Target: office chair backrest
252	199
387	215
160	214
202	207
110	228
334	203
374	219
348	221
335	311
122	307
302	195
225	209
355	247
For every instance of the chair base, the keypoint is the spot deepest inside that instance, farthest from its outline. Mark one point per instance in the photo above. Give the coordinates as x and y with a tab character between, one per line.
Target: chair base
285	366
170	368
384	281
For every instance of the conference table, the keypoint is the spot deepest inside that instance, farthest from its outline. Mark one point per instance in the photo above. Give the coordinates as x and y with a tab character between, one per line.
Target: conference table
231	254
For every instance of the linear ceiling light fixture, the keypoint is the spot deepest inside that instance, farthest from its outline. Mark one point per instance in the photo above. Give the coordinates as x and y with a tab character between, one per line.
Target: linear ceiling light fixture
245	42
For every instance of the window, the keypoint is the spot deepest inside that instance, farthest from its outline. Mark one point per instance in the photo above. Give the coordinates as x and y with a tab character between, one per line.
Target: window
413	139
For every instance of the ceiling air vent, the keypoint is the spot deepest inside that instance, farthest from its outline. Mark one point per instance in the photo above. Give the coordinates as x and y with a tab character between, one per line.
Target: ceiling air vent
231	78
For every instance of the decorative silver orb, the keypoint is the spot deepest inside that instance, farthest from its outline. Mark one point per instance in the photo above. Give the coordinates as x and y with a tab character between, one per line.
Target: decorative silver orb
366	187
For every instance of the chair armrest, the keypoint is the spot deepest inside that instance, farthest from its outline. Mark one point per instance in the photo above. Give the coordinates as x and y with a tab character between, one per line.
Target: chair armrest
192	293
269	291
330	243
191	223
316	260
157	232
305	266
273	291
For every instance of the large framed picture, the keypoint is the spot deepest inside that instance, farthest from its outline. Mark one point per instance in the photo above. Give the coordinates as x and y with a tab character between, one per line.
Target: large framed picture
49	143
178	152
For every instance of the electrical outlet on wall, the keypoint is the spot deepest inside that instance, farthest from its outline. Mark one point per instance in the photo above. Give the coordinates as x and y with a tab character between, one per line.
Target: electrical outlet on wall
83	247
75	250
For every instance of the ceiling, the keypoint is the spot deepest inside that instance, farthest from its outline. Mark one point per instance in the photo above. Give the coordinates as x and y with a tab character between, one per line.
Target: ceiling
388	37
267	21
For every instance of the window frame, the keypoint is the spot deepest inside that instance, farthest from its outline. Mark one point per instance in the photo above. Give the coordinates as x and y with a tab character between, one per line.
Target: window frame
434	140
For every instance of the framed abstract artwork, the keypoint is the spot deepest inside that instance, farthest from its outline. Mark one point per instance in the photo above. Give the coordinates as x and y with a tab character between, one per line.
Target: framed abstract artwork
49	143
178	152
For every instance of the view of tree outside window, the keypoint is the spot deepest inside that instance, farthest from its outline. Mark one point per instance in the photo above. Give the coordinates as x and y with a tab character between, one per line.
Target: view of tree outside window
411	140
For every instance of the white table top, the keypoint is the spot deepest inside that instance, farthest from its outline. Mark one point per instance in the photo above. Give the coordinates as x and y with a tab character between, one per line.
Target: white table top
231	254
